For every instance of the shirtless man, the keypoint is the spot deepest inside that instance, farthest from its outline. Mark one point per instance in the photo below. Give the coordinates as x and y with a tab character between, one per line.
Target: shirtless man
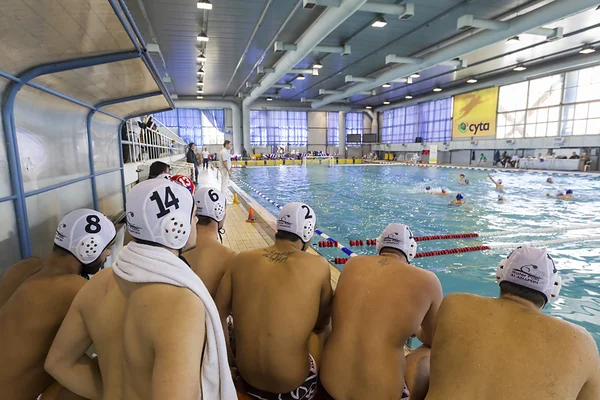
36	302
498	183
505	348
210	258
381	301
146	315
279	296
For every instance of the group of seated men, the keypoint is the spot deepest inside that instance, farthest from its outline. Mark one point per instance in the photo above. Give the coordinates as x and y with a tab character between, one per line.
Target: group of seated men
180	316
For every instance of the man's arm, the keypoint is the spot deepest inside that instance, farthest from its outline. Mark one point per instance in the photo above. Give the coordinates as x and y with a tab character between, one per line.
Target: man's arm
324	318
591	389
178	344
67	361
425	333
223	302
492	179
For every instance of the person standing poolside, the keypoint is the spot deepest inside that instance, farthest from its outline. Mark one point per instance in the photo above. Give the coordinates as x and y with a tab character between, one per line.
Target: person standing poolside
279	296
155	327
37	295
209	258
505	348
193	159
205	155
225	167
381	301
498	183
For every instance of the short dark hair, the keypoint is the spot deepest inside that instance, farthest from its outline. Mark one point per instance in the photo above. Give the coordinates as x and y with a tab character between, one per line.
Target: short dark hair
192	144
290	237
225	143
204	221
523	292
157	168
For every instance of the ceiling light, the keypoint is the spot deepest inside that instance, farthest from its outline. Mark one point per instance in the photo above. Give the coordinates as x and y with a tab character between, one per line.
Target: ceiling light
200	72
519	68
199	97
379	23
368	107
200	83
204	4
472	80
437	89
199	91
301	77
513	40
202	37
408	97
201	58
415	75
269	99
386	85
386	102
317	65
587	49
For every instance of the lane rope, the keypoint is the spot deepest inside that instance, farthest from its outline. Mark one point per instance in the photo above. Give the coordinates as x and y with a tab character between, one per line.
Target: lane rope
317	231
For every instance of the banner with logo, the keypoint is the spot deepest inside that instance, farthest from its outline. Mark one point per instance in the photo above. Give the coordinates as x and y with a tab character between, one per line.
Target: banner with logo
433	150
475	114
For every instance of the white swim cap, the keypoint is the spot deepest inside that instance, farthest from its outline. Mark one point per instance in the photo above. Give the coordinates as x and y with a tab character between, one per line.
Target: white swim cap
160	211
85	233
500	197
532	268
444	189
399	237
299	219
210	203
499	181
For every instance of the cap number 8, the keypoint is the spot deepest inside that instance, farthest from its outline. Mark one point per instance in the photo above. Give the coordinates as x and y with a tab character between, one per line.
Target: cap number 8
93	224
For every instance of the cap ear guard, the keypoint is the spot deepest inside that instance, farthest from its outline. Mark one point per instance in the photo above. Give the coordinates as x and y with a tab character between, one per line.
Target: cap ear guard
210	203
175	230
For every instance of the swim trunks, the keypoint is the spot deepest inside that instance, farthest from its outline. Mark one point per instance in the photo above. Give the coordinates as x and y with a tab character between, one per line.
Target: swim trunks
306	391
327	396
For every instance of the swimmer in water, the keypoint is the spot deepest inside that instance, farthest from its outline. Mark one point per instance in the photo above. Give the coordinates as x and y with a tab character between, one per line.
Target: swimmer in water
560	195
498	183
466	182
549	180
461	178
442	193
459	200
428	189
500	198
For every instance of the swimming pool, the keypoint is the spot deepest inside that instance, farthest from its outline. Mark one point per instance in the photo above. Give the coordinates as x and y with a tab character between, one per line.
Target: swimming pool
357	202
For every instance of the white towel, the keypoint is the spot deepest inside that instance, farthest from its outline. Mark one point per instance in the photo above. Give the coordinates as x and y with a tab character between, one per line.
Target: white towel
141	263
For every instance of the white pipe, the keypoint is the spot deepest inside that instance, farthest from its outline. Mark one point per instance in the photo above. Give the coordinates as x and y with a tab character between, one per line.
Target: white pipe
558	9
374	122
326	23
236	119
384	8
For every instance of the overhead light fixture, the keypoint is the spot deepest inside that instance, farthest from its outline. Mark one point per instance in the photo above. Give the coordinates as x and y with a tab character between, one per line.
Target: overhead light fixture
200	72
368	107
317	65
437	89
204	5
199	91
513	40
202	37
587	49
386	85
200	83
300	77
408	97
520	68
199	97
201	58
386	102
269	99
379	23
415	75
472	80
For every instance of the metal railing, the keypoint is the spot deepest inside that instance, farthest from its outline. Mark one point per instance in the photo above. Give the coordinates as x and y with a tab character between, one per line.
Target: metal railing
143	144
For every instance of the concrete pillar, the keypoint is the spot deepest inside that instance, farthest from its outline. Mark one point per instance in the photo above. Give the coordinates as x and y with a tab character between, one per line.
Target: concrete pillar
246	128
342	133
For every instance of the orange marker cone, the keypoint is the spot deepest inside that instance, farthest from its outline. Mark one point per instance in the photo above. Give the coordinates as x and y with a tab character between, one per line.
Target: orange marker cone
251	216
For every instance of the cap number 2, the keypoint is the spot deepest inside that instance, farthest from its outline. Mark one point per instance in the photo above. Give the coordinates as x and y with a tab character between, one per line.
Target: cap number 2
170	201
308	214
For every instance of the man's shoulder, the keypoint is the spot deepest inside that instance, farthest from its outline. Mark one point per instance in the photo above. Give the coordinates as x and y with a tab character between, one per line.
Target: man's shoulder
457	301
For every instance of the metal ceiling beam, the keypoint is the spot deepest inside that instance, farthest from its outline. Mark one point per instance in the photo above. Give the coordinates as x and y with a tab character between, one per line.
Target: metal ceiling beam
405	11
558	9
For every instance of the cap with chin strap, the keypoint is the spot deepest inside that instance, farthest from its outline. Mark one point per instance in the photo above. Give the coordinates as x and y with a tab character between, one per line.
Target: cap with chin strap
210	203
160	211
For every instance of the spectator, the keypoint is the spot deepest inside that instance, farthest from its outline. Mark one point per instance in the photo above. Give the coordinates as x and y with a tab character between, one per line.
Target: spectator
585	160
574	156
205	156
158	168
514	161
192	159
482	159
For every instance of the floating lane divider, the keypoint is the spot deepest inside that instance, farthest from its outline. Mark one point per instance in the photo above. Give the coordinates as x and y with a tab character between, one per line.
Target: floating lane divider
328	239
373	242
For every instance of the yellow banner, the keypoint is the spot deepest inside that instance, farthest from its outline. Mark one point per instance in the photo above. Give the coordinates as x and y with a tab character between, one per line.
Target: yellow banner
475	114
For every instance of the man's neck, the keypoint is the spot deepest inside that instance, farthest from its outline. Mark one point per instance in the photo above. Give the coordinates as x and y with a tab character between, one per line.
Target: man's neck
398	257
207	233
62	264
286	245
523	302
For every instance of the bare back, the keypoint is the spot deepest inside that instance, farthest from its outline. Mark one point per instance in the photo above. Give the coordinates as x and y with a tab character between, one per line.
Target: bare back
277	301
29	321
130	324
499	349
379	303
16	275
210	262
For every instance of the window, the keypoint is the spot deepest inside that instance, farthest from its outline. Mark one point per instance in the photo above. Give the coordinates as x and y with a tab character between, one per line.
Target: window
431	120
581	109
190	125
213	126
354	126
269	128
333	129
194	125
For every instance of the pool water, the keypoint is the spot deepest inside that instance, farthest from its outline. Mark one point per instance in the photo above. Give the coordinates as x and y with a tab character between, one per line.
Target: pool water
357	202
